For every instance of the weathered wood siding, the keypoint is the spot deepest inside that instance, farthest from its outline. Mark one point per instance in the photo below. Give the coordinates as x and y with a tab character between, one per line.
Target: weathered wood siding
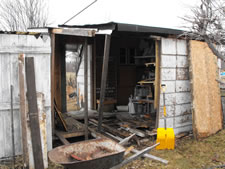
175	74
11	45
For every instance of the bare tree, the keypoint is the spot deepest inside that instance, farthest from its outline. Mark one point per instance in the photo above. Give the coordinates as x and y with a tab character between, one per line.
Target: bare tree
207	23
18	15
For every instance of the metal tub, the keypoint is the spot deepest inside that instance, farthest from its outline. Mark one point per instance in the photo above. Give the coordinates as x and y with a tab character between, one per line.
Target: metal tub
96	154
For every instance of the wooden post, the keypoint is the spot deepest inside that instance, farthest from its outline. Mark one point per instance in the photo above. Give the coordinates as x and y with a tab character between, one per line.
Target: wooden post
104	79
86	89
33	113
23	114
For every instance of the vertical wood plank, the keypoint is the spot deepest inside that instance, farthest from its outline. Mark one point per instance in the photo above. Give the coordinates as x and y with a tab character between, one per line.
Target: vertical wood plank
86	89
33	113
53	81
104	79
23	114
157	81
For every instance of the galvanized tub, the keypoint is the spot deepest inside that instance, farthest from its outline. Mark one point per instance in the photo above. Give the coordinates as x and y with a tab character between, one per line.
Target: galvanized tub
96	154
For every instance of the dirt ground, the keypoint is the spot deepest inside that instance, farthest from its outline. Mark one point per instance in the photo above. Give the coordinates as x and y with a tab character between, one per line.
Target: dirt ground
188	154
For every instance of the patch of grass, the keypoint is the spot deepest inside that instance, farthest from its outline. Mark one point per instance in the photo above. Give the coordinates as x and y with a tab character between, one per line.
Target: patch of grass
188	153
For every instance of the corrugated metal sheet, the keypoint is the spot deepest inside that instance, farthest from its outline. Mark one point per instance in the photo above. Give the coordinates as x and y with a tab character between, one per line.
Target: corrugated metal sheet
11	45
174	73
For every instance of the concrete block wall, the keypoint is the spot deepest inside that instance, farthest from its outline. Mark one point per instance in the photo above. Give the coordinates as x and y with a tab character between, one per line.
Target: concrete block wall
175	74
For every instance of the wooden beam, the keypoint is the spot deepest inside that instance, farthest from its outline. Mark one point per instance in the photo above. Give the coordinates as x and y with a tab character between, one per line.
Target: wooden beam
86	89
157	79
104	79
23	113
71	134
33	113
74	32
61	138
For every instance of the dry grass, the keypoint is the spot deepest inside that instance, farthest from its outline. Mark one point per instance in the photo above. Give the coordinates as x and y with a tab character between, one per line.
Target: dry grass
188	154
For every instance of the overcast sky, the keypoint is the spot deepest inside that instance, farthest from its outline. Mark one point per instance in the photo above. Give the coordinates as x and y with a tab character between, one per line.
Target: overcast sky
160	13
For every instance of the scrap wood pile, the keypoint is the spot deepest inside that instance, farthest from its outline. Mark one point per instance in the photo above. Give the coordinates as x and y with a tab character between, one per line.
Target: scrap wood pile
119	128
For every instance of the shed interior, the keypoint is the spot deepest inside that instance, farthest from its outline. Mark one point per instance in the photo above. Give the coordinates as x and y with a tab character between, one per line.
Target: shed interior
132	86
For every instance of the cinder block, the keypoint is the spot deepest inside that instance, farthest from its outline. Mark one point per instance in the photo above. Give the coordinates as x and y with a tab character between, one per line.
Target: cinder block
181	47
170	111
182	98
170	99
168	74
183	86
182	74
168	46
169	122
170	86
182	61
168	61
183	109
184	120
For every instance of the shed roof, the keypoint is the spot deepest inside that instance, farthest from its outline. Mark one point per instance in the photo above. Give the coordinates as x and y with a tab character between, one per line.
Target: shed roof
123	27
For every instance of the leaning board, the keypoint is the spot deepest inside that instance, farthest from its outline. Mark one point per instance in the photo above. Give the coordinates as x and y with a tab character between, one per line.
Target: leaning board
206	100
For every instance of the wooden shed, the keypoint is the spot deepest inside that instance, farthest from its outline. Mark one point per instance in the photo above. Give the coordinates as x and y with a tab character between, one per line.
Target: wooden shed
141	58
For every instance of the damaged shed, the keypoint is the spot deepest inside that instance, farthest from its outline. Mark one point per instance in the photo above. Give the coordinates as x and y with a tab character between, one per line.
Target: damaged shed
141	58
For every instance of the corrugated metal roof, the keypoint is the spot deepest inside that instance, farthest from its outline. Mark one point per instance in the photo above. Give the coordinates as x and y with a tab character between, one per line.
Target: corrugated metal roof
123	27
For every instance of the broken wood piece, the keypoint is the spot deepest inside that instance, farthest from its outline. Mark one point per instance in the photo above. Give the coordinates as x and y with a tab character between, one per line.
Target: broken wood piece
124	141
128	150
61	138
60	116
135	131
152	157
23	113
135	156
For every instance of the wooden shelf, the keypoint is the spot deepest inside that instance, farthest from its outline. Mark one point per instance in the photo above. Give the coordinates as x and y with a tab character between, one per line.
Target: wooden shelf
143	57
148	64
146	82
